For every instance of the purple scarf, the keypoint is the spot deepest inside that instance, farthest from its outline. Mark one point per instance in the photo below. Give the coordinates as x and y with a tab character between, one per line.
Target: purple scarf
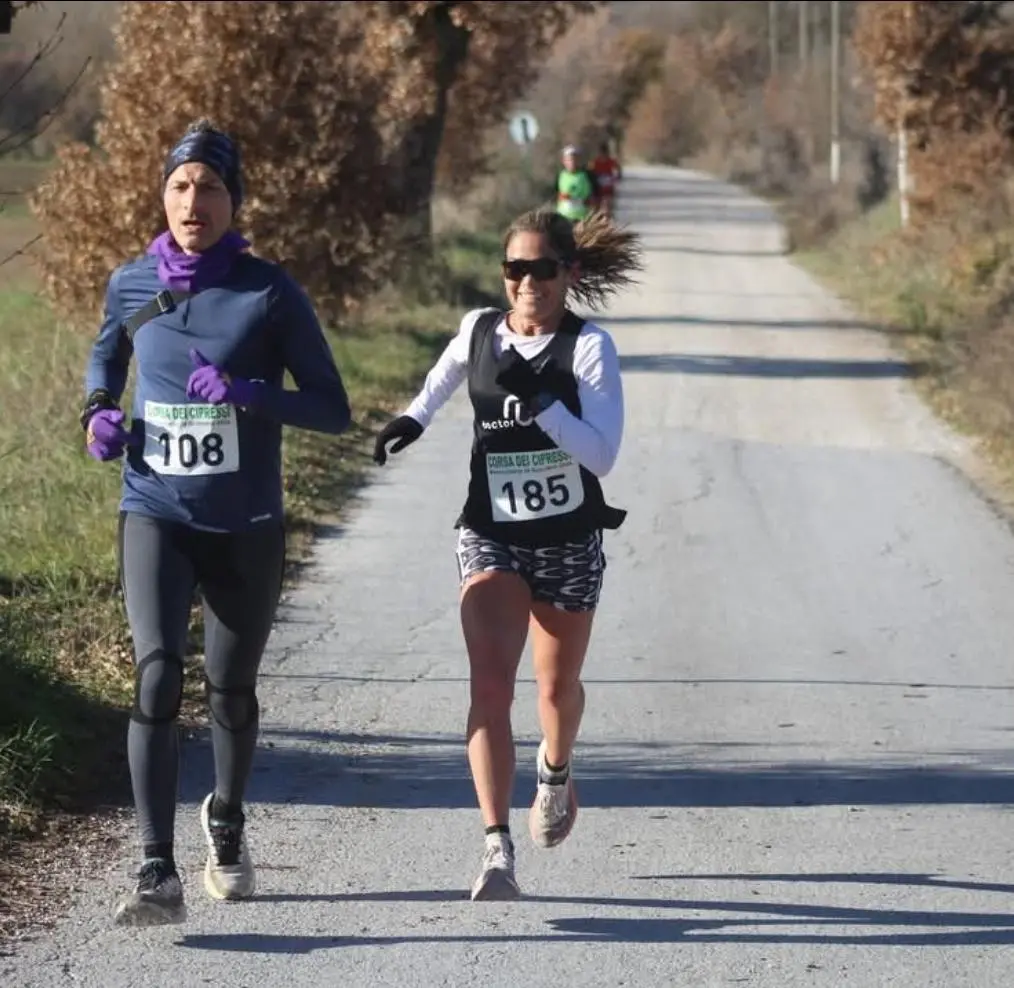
179	271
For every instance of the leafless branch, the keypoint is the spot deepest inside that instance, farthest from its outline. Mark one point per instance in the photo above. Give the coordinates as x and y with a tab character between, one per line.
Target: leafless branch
42	52
21	136
25	134
21	251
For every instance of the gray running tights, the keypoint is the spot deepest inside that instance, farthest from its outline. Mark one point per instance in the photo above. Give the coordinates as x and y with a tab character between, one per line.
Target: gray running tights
239	576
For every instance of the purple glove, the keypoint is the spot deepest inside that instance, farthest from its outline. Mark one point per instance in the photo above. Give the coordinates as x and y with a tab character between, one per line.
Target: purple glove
213	385
105	436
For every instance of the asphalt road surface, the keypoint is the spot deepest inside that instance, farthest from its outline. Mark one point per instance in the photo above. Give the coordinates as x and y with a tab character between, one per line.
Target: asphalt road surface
795	767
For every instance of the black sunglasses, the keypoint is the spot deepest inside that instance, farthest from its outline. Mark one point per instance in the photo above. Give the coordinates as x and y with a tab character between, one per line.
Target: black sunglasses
541	269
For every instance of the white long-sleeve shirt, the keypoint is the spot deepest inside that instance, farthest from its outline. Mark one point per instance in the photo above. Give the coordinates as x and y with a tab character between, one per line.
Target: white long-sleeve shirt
593	439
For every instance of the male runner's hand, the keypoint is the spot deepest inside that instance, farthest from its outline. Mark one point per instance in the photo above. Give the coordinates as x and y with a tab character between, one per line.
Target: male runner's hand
212	384
105	436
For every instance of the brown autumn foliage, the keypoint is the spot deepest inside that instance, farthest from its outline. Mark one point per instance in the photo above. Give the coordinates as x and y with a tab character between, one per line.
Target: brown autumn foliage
313	95
705	97
945	72
631	61
669	122
339	109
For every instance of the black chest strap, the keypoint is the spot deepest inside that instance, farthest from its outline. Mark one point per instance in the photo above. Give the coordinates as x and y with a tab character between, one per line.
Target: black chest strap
165	301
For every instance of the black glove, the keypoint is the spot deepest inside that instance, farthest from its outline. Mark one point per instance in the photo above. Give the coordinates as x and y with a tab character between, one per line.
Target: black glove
517	375
404	430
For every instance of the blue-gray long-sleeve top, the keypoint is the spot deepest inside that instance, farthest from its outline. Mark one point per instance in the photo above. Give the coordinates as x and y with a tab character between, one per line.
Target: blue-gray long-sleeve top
215	467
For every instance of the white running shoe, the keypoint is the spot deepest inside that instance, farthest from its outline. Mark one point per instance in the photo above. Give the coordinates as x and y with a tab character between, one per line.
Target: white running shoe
554	810
496	881
229	872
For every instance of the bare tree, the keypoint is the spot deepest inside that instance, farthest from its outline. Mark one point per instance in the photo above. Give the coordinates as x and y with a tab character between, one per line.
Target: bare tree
29	126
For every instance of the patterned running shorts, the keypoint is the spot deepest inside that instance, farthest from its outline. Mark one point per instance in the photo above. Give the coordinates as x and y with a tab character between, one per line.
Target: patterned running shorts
568	575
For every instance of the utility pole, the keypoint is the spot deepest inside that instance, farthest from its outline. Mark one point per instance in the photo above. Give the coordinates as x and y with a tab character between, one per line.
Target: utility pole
804	35
772	38
904	176
835	91
803	9
904	184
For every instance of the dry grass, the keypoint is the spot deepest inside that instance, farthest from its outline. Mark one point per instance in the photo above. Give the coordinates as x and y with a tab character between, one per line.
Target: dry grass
945	292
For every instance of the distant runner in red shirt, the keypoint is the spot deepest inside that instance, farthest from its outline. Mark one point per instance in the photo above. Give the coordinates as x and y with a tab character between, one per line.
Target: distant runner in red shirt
607	172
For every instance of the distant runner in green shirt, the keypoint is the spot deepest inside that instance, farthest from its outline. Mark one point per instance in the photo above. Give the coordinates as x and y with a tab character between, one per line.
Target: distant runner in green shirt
575	187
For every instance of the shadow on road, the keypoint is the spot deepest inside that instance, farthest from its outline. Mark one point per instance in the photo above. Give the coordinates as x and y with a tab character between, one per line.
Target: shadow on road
744	922
325	768
713	252
770	367
842	878
690	319
717	214
648	195
877	684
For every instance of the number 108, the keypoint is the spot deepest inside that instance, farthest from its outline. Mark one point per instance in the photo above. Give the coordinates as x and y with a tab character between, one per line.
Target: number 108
190	452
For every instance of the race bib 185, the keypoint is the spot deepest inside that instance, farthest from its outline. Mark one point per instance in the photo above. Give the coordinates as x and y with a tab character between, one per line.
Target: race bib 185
190	440
529	486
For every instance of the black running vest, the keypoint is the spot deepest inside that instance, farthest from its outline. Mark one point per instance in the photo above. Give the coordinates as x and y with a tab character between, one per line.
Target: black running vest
523	489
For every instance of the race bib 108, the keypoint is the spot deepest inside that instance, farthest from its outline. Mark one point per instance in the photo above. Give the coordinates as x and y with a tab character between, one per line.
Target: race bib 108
190	440
530	486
